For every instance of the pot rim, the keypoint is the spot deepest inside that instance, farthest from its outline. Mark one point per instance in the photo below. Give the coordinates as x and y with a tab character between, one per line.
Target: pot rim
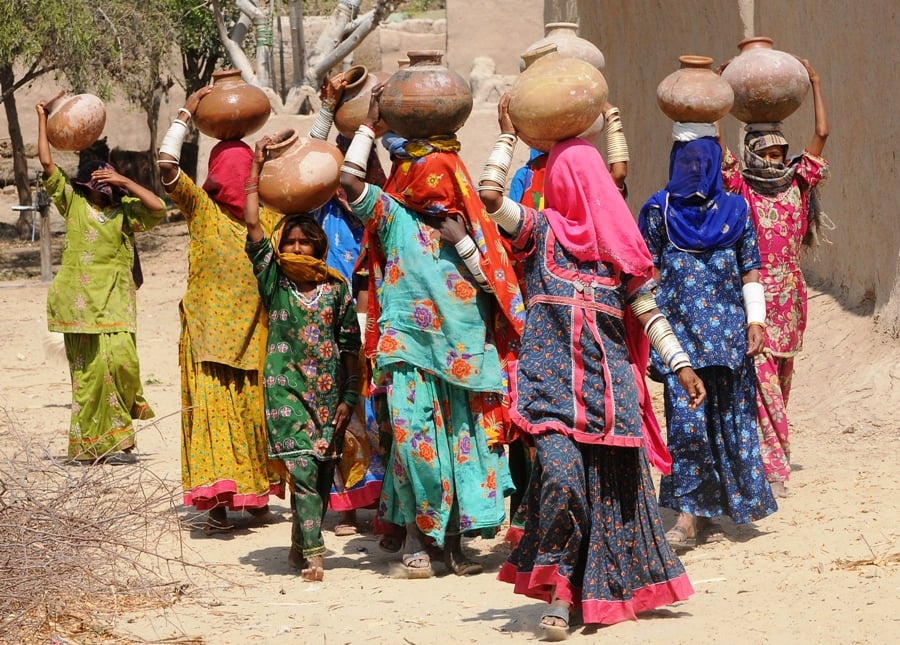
360	72
290	136
225	73
422	54
560	25
756	41
532	55
695	61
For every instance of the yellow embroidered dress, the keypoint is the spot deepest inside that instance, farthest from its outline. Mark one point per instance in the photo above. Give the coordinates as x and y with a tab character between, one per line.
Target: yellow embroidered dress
223	450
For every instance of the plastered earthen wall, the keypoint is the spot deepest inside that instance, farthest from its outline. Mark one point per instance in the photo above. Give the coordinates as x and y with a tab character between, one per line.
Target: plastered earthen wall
855	48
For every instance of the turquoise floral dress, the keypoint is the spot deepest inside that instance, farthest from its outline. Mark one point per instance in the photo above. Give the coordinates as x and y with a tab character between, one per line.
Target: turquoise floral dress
445	370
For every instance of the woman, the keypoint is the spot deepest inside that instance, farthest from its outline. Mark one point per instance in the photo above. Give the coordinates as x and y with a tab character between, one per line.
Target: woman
704	249
592	539
781	194
447	472
92	301
223	452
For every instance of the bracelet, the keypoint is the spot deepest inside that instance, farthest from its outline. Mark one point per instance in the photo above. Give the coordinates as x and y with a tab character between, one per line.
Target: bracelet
666	344
754	302
644	303
322	125
352	170
186	111
174	139
360	148
508	216
170	183
757	323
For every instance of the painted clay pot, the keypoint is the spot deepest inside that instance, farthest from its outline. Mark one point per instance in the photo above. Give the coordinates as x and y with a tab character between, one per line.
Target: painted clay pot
233	109
568	43
300	174
694	93
556	98
354	105
425	99
769	85
75	122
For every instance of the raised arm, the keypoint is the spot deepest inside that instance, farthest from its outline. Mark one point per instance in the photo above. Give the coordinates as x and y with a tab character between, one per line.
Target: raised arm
148	198
251	200
44	154
506	213
817	144
353	171
617	155
170	148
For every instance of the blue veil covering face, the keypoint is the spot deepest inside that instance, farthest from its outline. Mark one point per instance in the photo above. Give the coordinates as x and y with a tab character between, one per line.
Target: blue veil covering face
699	214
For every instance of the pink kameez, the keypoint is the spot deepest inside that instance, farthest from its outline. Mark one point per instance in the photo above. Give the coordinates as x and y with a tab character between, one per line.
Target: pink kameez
781	223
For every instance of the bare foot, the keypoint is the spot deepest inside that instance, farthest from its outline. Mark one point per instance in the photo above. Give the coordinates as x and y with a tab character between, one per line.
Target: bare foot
347	524
296	559
315	569
779	489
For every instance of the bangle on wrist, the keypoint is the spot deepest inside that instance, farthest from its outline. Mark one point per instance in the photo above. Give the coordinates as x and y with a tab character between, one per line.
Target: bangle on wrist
185	111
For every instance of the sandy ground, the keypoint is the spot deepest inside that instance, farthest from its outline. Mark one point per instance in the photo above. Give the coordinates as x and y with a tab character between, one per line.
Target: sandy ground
824	569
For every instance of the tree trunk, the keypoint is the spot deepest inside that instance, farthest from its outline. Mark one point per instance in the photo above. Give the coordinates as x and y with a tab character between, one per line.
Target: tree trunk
20	163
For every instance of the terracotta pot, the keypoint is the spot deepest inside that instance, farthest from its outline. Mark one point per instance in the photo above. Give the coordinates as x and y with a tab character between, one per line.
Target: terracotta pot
354	105
425	99
300	174
568	43
694	93
556	98
769	85
233	109
75	122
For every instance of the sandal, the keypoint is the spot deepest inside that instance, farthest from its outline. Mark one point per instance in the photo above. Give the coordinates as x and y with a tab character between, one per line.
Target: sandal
462	568
217	522
411	572
554	632
678	538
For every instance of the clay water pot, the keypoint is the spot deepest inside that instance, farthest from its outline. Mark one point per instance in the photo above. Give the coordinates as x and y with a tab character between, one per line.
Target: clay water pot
75	122
300	174
233	109
556	98
354	105
568	43
425	99
769	85
694	93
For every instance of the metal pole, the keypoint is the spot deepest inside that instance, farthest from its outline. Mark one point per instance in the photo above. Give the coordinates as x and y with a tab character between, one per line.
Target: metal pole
46	264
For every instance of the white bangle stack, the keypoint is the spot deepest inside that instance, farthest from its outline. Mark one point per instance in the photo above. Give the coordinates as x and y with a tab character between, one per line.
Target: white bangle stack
358	152
497	166
174	139
644	303
755	303
616	146
508	216
322	125
469	254
663	340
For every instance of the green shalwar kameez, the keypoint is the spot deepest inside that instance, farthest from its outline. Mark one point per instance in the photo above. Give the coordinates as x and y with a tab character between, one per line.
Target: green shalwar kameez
92	302
303	384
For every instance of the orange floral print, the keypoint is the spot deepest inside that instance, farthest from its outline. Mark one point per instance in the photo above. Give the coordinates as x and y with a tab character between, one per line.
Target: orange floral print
425	523
426	452
463	290
461	369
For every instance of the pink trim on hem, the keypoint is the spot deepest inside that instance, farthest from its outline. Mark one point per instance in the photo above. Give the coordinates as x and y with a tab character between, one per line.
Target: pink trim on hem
363	497
542	581
224	493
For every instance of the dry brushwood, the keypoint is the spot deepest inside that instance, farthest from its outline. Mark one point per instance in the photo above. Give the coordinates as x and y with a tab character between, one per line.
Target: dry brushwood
78	546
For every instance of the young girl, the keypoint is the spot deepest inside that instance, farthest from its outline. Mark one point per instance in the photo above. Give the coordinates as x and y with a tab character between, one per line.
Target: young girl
779	191
310	373
92	301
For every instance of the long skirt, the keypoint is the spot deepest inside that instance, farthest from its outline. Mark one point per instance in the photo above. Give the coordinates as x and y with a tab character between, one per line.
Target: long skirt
106	393
774	374
364	489
441	473
224	453
716	464
592	533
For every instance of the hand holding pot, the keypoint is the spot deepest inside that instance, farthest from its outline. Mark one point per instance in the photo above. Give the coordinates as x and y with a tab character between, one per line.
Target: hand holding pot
333	90
374	115
192	101
506	124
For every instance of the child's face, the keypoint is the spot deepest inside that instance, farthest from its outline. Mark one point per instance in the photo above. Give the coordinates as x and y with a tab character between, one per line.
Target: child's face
296	242
772	154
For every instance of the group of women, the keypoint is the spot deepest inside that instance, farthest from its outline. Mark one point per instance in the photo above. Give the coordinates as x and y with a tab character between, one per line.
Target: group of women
492	320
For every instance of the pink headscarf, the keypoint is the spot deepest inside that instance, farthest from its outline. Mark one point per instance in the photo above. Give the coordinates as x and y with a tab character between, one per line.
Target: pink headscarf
587	213
229	168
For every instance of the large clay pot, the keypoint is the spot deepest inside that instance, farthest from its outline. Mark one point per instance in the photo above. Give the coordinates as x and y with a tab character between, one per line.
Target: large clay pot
568	43
300	174
233	109
556	98
75	122
769	85
425	99
694	93
354	105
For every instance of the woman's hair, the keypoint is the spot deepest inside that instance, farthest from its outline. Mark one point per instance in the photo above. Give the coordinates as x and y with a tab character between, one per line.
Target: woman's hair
311	229
85	183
